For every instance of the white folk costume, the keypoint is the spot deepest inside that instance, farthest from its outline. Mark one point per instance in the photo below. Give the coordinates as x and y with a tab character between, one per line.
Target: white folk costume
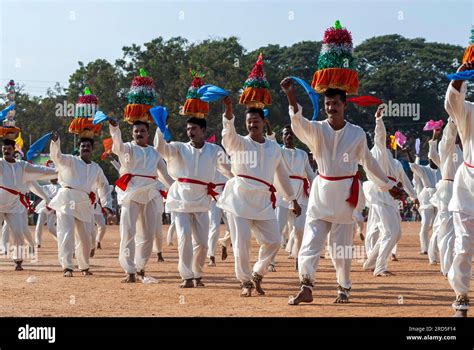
138	192
46	214
215	216
335	199
14	178
429	177
249	200
74	205
385	216
301	174
189	198
462	201
448	157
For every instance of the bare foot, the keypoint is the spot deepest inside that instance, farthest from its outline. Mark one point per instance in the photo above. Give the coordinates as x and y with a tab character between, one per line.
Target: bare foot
246	289
198	282
305	295
67	273
257	279
271	268
433	263
385	274
141	273
460	313
342	298
18	266
296	264
394	257
423	253
92	253
86	272
160	257
361	235
224	253
187	283
99	246
212	261
131	278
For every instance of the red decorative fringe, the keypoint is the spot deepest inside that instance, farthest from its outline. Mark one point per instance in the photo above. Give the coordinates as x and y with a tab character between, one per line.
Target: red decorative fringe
365	101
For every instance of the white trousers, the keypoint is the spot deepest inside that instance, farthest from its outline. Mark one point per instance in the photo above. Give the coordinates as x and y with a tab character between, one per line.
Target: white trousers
389	233
50	220
285	216
192	230
267	235
158	241
100	227
446	237
460	273
427	219
171	229
215	216
340	242
138	225
68	229
13	237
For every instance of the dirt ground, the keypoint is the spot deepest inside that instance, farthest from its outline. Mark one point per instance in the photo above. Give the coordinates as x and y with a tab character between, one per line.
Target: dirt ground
417	289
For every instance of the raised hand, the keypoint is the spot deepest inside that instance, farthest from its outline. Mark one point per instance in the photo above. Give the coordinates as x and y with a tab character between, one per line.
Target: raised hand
54	136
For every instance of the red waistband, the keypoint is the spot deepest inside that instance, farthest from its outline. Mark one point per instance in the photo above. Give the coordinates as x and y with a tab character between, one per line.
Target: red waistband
90	194
271	188
123	181
354	195
23	198
164	194
392	178
305	183
468	165
448	179
210	186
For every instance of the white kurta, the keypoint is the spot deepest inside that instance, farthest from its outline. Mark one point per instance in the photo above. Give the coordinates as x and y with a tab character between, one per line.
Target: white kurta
462	113
187	161
82	178
249	198
462	201
337	153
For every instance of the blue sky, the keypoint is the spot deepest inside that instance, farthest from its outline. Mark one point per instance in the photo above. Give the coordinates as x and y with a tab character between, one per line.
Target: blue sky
42	41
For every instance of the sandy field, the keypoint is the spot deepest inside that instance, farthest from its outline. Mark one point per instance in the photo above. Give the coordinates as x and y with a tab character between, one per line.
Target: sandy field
417	289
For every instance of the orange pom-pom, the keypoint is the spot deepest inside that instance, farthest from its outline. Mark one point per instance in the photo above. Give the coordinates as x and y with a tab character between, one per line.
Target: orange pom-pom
336	78
255	97
85	128
468	54
137	112
194	107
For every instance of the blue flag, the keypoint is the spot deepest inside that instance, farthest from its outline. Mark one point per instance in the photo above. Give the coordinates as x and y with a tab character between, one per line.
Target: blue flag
211	93
312	95
99	117
465	75
38	146
159	115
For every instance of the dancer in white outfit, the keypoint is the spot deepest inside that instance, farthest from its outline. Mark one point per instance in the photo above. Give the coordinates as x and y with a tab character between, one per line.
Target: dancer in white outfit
192	165
385	210
462	201
249	198
335	199
79	178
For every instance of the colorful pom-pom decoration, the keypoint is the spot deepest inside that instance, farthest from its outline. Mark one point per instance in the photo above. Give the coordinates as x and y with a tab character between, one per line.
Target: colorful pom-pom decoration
336	64
256	86
141	98
87	105
194	106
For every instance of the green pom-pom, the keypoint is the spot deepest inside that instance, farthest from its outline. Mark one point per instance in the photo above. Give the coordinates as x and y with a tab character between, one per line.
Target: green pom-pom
87	91
337	25
143	72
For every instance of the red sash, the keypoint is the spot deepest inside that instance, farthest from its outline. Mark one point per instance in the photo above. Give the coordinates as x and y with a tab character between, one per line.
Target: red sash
271	188
90	194
468	165
123	181
23	198
210	186
354	196
305	183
